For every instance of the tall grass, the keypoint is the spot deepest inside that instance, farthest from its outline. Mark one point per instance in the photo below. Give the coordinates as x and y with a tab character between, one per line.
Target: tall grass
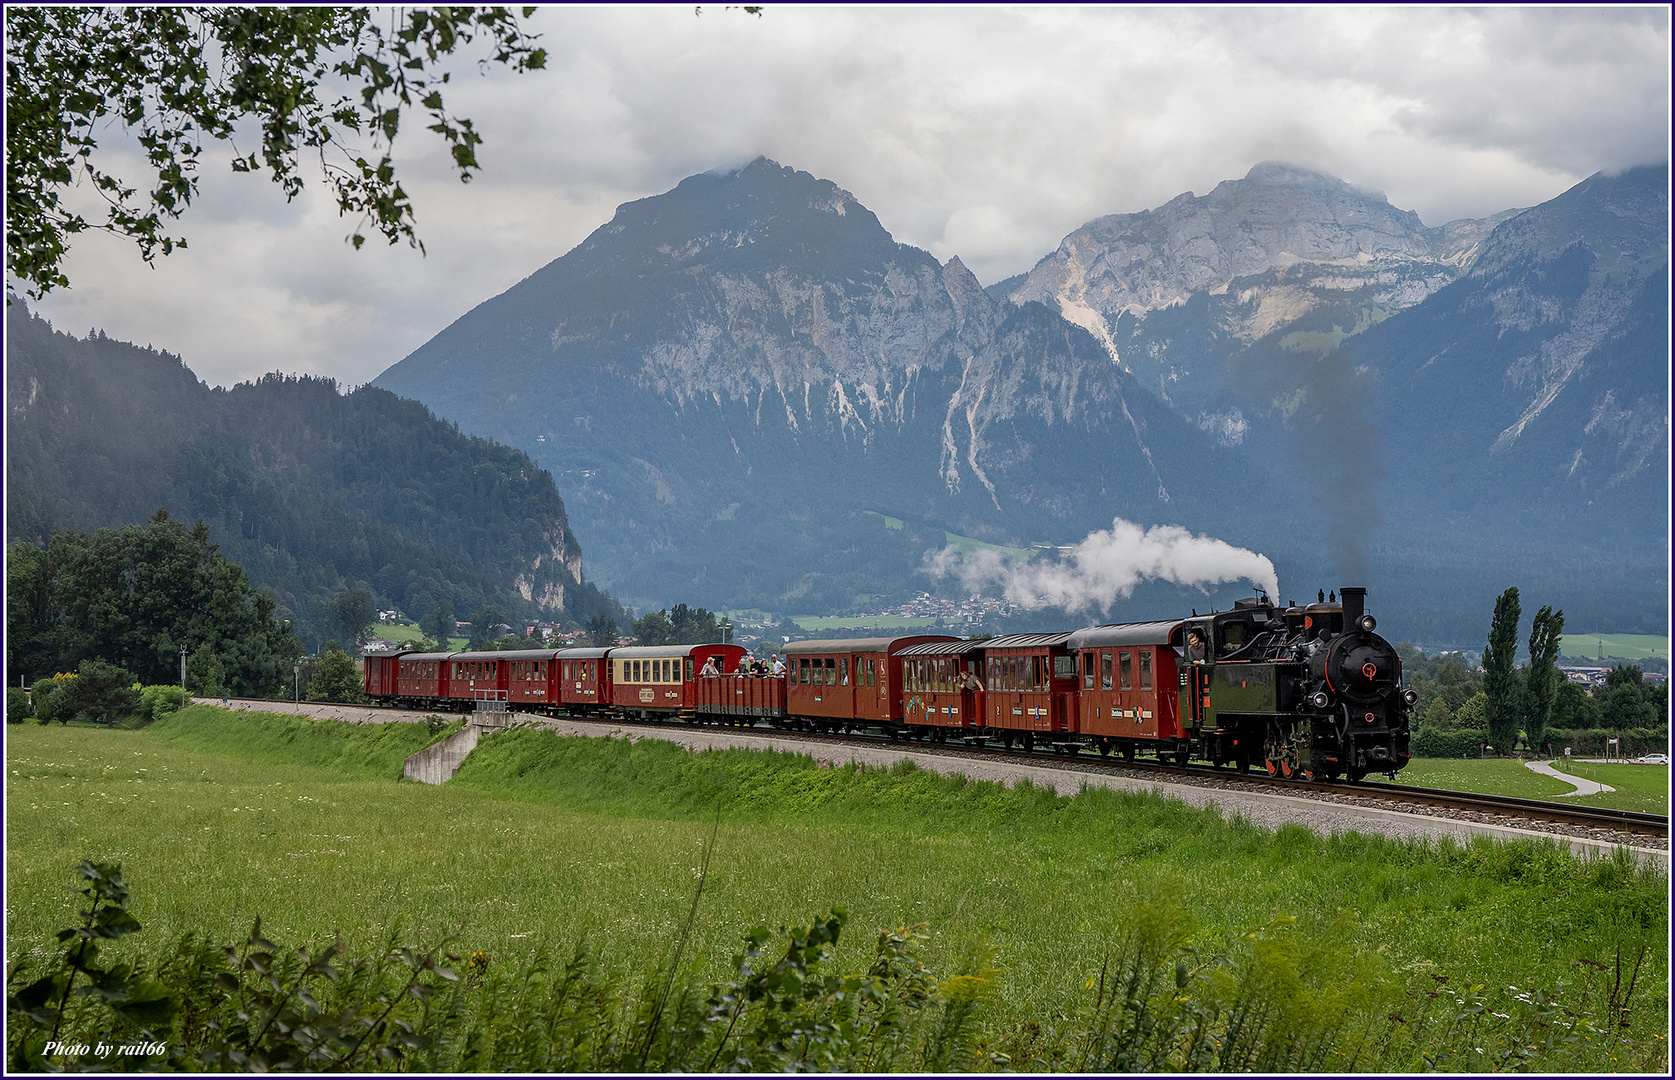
544	846
373	751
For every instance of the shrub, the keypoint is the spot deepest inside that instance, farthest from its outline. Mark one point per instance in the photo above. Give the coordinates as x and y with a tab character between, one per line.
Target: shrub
336	678
1447	743
52	699
18	706
157	702
104	692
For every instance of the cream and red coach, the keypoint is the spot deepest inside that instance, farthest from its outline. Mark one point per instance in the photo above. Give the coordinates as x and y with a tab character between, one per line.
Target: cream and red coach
663	678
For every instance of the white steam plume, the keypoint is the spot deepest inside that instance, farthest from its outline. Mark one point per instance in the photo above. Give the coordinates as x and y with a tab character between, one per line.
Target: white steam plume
1107	565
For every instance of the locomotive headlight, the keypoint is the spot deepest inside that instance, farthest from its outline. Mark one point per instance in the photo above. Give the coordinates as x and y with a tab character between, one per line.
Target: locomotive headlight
1319	700
1368	623
1410	696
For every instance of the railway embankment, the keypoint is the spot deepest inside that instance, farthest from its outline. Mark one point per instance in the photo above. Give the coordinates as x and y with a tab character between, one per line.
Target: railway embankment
1326	813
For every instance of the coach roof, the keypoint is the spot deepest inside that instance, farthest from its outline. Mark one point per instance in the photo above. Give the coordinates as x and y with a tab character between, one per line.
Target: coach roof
1026	641
856	645
1134	633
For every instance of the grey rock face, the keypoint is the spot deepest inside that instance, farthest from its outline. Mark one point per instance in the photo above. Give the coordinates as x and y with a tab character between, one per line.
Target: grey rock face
1320	233
688	368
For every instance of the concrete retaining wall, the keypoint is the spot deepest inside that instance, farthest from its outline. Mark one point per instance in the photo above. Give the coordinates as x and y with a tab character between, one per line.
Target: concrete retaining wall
437	764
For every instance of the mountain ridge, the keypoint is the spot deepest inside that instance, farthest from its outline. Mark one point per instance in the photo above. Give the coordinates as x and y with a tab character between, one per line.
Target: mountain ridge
728	377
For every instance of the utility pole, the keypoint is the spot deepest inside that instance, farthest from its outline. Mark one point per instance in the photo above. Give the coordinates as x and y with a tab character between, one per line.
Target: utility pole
183	670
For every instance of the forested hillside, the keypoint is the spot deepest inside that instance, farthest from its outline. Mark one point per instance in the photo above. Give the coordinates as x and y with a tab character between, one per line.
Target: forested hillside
311	490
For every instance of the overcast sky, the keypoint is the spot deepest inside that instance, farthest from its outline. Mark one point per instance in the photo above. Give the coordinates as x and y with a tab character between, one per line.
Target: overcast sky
987	133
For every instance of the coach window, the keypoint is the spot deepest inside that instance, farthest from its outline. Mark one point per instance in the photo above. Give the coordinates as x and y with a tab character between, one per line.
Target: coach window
1127	674
1087	671
1105	671
1145	669
843	671
689	669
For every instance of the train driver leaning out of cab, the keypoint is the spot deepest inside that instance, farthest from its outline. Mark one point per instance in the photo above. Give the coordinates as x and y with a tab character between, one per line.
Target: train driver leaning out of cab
711	668
1194	647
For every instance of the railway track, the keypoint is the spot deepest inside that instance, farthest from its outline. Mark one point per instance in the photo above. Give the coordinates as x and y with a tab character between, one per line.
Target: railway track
1065	756
1536	810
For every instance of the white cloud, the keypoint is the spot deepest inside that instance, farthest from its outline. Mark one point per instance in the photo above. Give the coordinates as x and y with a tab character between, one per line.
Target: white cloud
988	133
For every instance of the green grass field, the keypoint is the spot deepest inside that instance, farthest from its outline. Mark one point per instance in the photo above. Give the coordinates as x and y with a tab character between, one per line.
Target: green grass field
1488	776
543	841
410	632
1644	788
1617	646
1639	787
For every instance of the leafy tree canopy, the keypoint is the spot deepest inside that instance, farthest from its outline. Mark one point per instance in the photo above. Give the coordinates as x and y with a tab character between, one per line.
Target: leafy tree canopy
133	597
351	611
335	679
178	77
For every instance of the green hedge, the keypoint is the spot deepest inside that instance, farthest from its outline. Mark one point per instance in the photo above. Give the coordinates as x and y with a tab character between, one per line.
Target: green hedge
1447	743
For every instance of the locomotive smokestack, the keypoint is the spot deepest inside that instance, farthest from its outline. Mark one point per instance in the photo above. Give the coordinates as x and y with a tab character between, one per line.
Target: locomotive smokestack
1354	606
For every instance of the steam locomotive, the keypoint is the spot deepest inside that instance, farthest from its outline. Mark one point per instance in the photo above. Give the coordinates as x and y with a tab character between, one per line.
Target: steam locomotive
1308	691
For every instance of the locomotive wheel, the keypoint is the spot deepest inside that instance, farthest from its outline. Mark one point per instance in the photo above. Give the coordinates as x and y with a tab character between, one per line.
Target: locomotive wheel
1128	751
1272	766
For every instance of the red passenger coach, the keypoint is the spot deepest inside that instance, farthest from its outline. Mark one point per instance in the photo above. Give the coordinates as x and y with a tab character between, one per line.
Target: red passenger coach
529	678
854	679
381	672
477	676
423	676
936	690
743	697
1130	685
1030	684
663	677
583	680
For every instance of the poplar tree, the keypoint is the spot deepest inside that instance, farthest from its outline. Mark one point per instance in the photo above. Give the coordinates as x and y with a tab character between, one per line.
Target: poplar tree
1500	681
1541	685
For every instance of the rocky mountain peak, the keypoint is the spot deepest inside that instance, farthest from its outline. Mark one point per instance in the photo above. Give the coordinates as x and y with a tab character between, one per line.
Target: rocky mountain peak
761	213
1267	249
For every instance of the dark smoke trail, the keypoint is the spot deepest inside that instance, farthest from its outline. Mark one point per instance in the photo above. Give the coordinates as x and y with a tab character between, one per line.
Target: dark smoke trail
1331	436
